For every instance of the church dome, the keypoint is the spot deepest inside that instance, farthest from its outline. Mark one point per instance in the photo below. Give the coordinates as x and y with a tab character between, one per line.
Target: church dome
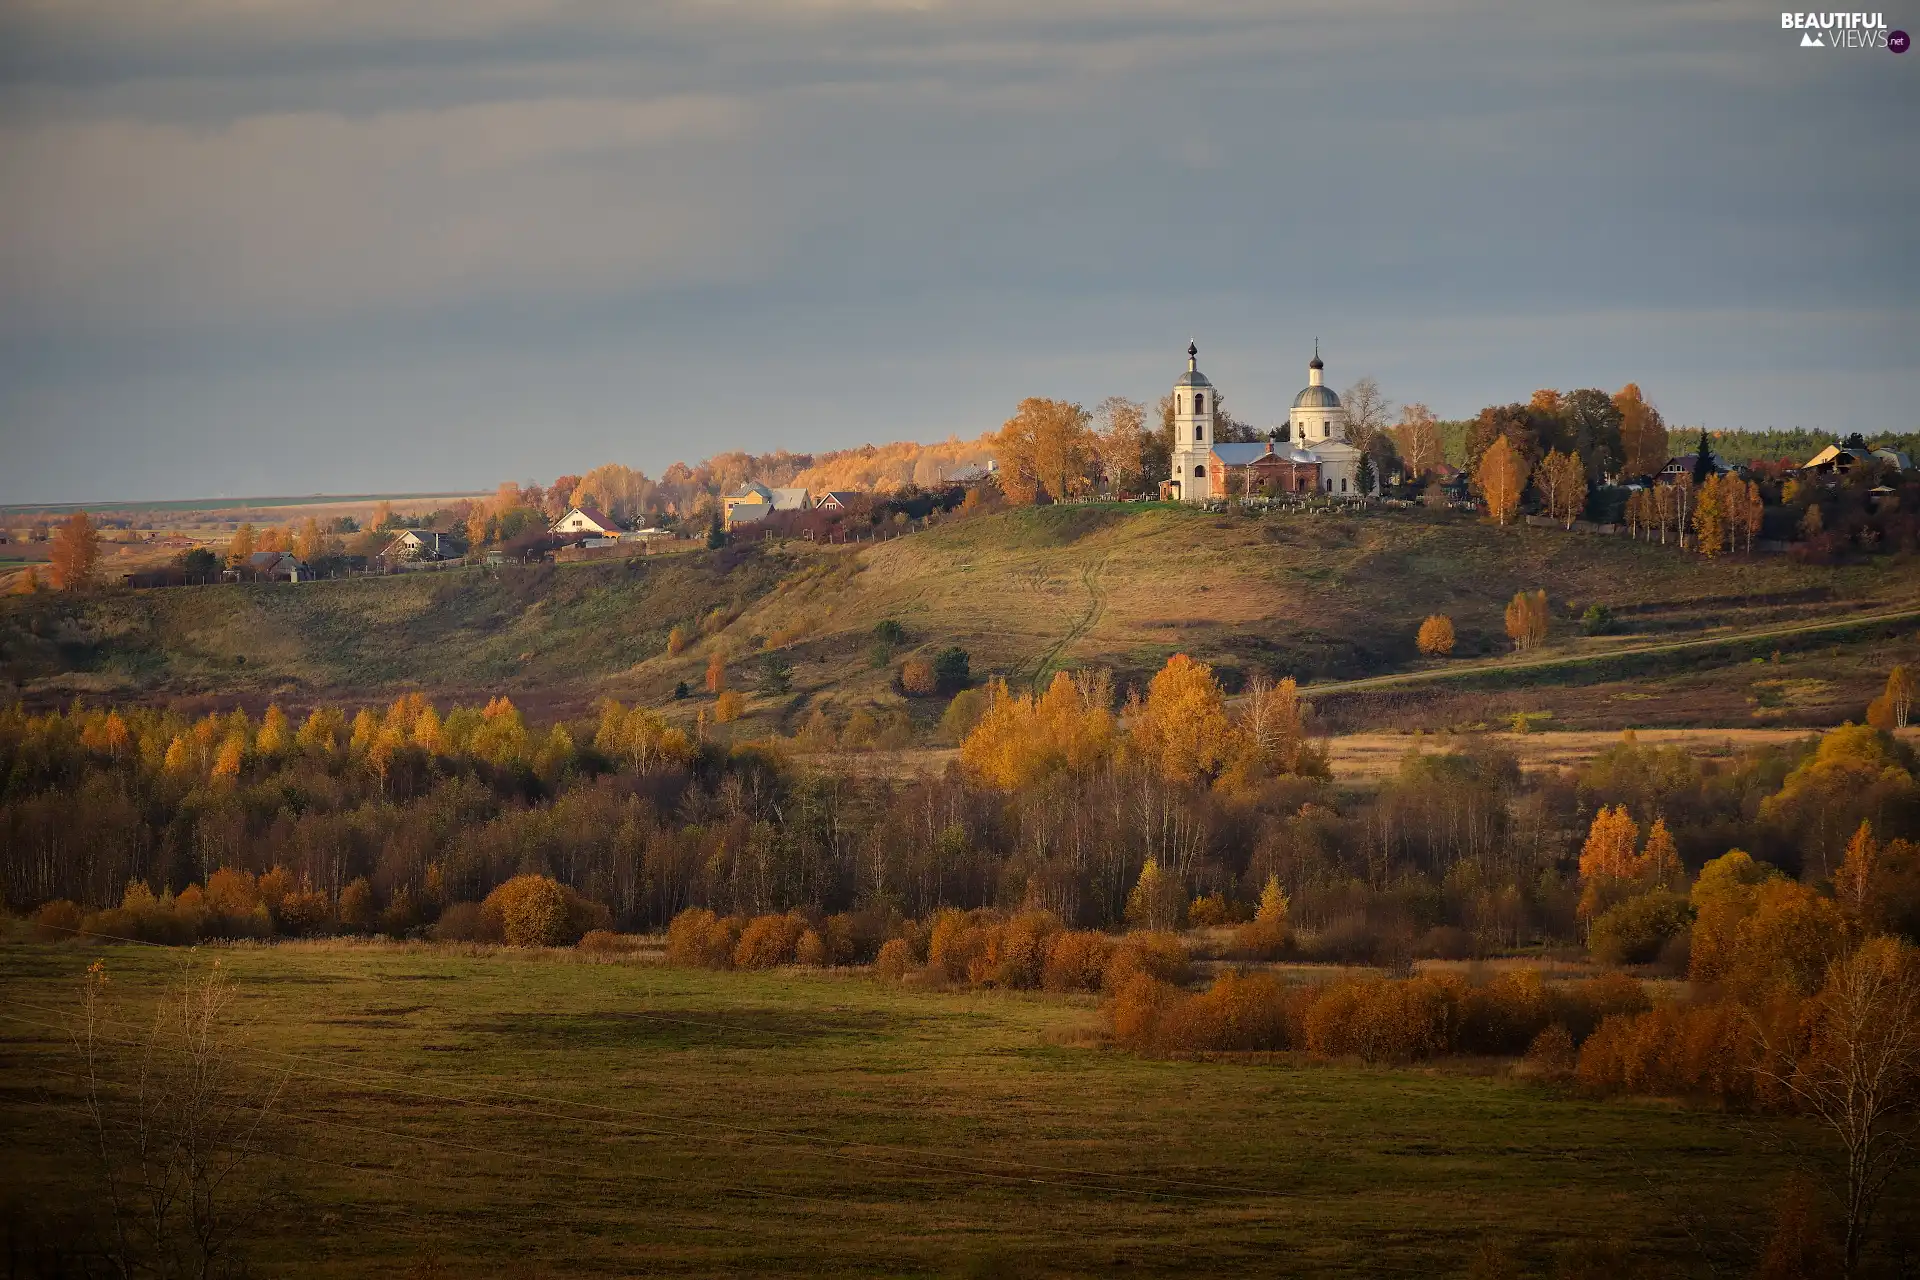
1316	397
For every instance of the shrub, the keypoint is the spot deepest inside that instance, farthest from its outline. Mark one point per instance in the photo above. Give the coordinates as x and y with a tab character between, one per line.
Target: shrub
1381	1021
1235	1014
303	912
1077	960
1158	955
1634	931
958	939
460	922
1582	1006
950	667
1207	912
811	950
917	679
1017	951
768	940
700	939
1504	1015
1136	1009
895	958
1673	1049
1552	1054
57	920
356	906
537	911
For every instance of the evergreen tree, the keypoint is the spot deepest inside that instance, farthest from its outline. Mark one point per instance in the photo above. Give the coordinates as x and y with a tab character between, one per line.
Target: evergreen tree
1703	461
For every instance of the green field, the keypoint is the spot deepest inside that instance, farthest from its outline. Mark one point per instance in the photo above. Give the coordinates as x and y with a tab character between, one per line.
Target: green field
1324	598
563	1117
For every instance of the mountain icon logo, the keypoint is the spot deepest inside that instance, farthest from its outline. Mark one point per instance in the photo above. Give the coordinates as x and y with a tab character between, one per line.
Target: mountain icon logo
1812	41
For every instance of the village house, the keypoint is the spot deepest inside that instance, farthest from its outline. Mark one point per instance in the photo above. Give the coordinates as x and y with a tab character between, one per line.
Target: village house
590	521
755	502
415	546
1839	459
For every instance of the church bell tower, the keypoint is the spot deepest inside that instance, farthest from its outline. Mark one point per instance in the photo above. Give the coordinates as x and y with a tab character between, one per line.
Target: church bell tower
1193	431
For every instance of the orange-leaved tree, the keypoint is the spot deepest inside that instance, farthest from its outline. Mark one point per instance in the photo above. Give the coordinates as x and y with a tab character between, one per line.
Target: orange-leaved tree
1181	729
76	553
1436	636
1500	478
1527	619
1046	447
1563	483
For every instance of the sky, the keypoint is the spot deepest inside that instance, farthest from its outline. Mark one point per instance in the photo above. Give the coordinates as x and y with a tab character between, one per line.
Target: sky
256	247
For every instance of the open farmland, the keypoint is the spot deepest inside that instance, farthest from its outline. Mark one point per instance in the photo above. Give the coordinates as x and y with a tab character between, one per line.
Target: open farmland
535	1114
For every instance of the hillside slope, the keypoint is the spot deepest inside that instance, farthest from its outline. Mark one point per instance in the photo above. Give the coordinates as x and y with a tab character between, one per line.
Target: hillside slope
1026	592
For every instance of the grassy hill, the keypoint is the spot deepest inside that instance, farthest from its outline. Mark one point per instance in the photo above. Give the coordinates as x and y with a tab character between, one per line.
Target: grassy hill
1323	598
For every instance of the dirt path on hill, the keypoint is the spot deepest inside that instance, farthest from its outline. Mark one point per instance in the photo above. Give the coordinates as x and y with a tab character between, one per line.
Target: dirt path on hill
1090	578
1467	671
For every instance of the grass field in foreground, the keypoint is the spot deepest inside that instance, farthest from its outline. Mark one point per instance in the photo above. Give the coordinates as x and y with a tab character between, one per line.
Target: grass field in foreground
567	1118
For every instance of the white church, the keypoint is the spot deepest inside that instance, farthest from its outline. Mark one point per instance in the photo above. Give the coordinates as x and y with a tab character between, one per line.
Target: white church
1316	455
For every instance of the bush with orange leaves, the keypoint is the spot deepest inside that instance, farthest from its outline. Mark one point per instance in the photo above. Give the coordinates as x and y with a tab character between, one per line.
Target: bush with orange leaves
1697	1050
1157	954
895	959
700	939
1077	960
538	911
769	940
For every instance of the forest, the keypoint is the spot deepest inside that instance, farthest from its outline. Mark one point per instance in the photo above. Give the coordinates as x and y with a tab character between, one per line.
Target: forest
385	819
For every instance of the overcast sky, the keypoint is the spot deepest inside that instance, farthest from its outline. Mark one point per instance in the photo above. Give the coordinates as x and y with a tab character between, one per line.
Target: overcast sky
290	246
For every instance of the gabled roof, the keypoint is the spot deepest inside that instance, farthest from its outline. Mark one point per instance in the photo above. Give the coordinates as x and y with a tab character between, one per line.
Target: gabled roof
592	515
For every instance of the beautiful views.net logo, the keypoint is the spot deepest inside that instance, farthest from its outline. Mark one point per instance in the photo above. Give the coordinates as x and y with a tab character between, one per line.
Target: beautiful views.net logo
1844	31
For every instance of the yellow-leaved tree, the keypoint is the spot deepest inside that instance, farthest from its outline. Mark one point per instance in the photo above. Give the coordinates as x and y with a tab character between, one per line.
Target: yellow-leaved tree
1436	636
76	553
1181	730
1527	618
1500	479
1048	448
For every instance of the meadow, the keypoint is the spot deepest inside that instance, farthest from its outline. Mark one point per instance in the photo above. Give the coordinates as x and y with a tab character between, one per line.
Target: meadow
453	1111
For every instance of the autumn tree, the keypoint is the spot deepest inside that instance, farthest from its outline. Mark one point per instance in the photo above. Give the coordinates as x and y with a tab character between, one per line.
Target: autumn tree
1643	433
1121	442
1367	408
76	553
1500	479
1593	422
1527	618
242	546
1710	525
1417	435
1562	481
1899	695
1436	636
1181	730
1047	448
1852	1062
177	1118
